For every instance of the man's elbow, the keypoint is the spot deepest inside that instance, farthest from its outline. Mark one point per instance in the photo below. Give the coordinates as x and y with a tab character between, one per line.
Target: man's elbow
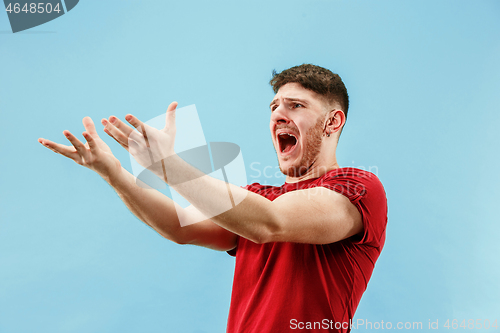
177	239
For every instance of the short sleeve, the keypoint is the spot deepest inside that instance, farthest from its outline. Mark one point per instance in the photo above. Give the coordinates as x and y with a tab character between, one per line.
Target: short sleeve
232	252
365	191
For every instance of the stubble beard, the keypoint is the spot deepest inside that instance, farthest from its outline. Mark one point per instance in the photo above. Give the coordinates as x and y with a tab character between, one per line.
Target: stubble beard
312	148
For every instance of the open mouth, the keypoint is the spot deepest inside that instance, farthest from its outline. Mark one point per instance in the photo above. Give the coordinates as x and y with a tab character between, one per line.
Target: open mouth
287	142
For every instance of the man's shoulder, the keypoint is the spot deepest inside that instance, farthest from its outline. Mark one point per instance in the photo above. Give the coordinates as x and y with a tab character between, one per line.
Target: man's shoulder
354	183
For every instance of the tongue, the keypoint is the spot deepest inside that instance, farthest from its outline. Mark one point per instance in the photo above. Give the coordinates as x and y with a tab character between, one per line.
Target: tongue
288	144
288	147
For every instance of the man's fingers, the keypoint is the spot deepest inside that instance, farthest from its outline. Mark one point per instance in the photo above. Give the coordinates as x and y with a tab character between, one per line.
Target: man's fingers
68	151
124	128
115	133
80	147
134	121
94	148
108	133
139	136
89	126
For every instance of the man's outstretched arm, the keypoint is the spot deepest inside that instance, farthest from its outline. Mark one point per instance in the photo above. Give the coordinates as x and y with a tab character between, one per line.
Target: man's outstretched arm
150	206
160	213
314	216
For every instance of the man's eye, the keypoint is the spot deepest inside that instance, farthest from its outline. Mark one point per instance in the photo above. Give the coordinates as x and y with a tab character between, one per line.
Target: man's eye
298	105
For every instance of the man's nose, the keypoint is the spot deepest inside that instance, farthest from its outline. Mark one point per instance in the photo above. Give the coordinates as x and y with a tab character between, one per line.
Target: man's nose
280	115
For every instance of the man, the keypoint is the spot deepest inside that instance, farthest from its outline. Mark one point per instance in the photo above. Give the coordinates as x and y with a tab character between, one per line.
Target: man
304	251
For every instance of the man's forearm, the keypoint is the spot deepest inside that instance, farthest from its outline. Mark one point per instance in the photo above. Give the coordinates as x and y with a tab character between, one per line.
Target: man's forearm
238	210
150	206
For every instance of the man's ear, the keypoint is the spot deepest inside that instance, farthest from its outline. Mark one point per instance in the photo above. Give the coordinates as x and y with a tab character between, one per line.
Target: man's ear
335	121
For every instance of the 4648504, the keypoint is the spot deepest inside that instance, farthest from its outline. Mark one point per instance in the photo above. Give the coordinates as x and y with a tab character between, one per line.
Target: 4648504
471	324
33	8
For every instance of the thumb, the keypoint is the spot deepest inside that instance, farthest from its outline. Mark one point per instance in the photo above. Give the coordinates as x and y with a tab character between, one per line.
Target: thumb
170	116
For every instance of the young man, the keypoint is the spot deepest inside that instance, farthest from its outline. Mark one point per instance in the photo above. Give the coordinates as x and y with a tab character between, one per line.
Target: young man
304	251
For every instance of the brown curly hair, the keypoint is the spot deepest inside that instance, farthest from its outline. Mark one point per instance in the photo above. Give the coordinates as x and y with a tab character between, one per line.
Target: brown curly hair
318	79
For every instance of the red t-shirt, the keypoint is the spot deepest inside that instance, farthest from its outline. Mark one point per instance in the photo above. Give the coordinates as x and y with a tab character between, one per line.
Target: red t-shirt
290	287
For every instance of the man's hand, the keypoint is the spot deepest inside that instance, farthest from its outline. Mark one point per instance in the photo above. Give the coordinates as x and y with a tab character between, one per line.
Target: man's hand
94	154
148	145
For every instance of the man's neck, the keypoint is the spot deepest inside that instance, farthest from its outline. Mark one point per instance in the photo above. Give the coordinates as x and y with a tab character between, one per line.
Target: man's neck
313	172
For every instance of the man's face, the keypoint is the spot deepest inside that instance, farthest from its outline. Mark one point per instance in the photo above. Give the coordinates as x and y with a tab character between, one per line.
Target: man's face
297	126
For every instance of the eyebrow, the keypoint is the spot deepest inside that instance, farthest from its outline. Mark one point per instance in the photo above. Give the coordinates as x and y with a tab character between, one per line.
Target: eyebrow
289	98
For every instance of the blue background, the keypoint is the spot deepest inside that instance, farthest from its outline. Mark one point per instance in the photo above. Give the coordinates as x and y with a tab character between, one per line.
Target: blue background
423	78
